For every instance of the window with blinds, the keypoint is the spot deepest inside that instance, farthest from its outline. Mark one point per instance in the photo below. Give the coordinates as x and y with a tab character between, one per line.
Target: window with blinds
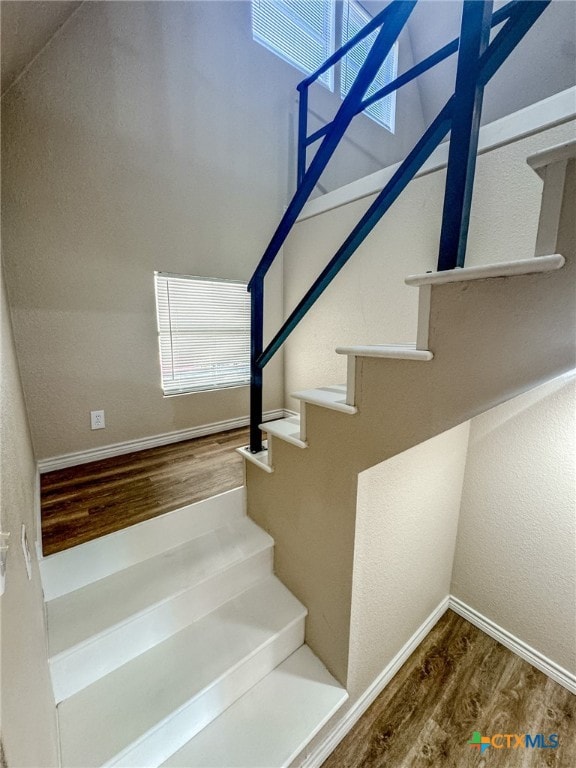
299	31
204	333
354	19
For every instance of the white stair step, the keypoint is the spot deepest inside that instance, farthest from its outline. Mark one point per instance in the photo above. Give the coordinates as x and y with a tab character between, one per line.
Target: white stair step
500	269
392	351
96	629
327	397
142	713
287	429
556	154
263	459
76	567
272	723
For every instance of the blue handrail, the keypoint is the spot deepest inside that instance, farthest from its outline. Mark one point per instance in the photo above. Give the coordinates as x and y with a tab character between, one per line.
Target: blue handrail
478	60
418	69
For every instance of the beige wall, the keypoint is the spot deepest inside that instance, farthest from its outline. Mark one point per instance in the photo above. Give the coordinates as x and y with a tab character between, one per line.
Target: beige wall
406	521
379	307
28	713
148	136
117	154
515	559
492	340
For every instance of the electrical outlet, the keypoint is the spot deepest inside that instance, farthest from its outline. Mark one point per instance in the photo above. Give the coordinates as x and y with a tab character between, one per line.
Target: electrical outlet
97	420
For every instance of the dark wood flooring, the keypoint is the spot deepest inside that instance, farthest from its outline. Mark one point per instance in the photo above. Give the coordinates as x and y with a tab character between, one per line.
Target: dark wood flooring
457	682
81	503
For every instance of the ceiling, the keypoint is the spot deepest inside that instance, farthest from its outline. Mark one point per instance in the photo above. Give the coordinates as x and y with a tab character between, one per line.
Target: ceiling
26	27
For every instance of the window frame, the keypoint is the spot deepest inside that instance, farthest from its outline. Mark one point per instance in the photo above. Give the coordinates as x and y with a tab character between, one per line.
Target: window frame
382	112
329	42
387	105
172	381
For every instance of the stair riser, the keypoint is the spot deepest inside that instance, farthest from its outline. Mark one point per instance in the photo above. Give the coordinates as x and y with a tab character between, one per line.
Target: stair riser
158	745
79	566
78	667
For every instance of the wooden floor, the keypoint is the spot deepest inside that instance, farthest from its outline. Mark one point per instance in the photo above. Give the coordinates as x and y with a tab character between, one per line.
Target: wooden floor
84	502
457	682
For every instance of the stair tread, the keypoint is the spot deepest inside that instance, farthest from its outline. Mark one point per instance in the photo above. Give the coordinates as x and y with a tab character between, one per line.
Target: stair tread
286	429
86	612
540	160
499	269
100	722
393	351
261	459
78	566
271	723
333	397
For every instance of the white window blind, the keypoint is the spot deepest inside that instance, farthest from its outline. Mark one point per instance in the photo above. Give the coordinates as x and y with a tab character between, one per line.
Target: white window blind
204	333
299	31
355	19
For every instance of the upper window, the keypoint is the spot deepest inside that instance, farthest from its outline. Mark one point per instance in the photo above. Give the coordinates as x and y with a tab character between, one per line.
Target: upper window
302	33
354	20
299	31
204	333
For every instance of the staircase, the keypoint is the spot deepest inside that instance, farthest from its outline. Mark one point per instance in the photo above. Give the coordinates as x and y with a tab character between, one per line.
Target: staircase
485	335
172	643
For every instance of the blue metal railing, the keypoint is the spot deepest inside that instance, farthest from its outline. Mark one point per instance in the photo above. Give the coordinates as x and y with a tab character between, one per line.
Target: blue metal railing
478	60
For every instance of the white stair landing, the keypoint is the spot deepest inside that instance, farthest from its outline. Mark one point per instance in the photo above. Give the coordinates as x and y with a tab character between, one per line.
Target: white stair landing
96	629
272	723
143	712
76	567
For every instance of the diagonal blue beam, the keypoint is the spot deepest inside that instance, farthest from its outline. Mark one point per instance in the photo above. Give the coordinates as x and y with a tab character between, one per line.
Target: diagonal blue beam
493	57
522	19
400	10
411	165
431	61
373	24
502	14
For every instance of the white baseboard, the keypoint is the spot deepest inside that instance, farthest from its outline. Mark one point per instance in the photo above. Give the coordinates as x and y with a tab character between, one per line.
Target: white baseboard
322	751
514	644
142	443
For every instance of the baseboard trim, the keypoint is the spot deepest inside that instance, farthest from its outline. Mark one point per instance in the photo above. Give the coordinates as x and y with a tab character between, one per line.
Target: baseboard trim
514	644
351	717
324	749
141	444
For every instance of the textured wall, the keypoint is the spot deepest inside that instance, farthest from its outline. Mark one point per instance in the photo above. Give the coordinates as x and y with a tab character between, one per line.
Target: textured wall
406	522
147	136
542	64
379	307
120	157
28	713
515	552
